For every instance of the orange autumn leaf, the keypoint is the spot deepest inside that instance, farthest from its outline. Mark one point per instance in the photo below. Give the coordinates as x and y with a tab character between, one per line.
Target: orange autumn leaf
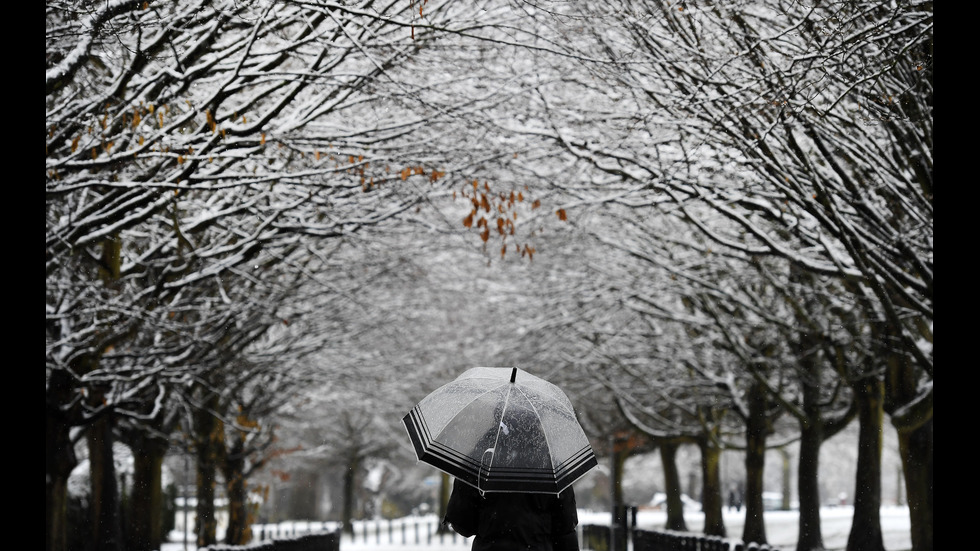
536	204
561	215
485	235
529	251
468	221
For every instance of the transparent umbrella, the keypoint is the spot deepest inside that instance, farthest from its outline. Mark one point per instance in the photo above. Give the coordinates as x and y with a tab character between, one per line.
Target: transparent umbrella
501	429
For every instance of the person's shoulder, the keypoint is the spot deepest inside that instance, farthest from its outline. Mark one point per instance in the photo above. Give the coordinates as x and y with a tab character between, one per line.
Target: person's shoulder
465	487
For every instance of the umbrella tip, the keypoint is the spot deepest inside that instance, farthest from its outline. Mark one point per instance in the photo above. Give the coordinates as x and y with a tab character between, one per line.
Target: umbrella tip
513	375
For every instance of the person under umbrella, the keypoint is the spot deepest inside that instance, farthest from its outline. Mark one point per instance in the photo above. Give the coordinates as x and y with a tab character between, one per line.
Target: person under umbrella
508	521
514	446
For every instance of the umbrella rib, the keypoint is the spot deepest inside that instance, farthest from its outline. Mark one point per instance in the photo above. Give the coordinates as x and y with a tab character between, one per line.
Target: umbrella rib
543	432
496	437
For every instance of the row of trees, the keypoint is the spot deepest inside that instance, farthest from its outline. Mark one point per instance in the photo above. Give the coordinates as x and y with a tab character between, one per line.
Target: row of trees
822	297
203	163
719	214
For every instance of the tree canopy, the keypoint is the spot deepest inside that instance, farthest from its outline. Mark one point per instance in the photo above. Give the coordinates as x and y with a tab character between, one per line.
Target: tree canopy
717	215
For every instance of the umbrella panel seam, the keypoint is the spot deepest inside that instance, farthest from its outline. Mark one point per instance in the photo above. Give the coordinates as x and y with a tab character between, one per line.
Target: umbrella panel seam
544	433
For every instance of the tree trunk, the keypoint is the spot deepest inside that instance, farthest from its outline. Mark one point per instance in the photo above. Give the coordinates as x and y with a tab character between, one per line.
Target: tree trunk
866	527
756	431
104	506
618	461
56	518
809	536
350	476
206	525
808	476
209	436
146	520
915	438
711	498
787	486
59	461
916	449
672	487
239	519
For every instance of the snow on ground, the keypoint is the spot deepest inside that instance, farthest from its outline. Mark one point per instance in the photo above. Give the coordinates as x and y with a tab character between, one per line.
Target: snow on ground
781	530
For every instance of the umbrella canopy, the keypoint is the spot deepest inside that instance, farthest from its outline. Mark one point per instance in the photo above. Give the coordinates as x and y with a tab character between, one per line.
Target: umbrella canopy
501	429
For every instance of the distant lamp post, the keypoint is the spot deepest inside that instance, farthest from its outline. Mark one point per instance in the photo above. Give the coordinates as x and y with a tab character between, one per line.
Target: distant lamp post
184	485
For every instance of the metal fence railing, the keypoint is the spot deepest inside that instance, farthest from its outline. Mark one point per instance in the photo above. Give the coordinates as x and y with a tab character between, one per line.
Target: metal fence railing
422	530
327	541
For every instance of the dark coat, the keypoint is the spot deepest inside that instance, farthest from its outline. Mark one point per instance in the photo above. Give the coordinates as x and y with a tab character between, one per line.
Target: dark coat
512	521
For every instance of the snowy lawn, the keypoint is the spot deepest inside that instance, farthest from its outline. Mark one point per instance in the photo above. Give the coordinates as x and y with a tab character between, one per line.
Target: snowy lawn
781	530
